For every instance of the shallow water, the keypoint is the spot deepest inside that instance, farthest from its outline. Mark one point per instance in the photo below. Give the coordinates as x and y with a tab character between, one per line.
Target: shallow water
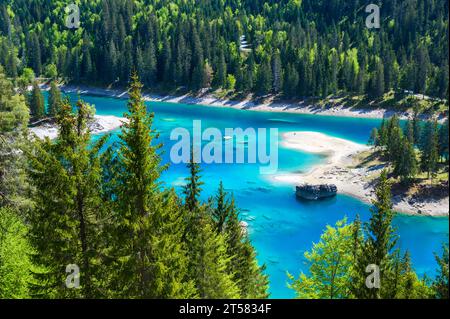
281	227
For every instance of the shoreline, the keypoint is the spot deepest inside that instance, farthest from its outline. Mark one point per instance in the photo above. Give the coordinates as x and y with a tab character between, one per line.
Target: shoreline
299	107
340	153
338	170
101	124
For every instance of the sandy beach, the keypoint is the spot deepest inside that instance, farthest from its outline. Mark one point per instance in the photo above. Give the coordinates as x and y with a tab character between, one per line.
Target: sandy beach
299	107
101	124
339	170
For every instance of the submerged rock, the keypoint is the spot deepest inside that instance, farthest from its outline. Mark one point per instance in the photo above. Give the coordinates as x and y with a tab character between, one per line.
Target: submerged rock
315	192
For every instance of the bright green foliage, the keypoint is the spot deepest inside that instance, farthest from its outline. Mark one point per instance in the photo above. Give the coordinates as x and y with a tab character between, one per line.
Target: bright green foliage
14	113
14	117
440	285
331	262
15	250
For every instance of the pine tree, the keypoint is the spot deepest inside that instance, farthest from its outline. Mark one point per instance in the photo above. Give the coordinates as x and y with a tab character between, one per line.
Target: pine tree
34	53
290	82
222	210
247	274
443	141
416	126
405	165
37	106
380	239
209	263
221	74
150	259
409	132
54	100
430	149
382	134
264	78
11	65
440	284
378	85
64	224
193	189
277	74
166	63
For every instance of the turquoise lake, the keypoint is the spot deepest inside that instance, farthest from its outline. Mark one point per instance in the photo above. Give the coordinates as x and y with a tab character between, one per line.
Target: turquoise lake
281	227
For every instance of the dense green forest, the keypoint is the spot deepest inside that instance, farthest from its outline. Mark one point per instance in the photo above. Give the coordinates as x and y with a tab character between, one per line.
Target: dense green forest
71	203
414	149
296	48
66	202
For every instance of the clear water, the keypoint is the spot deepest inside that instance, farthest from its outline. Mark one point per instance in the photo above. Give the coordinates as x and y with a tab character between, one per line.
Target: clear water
281	227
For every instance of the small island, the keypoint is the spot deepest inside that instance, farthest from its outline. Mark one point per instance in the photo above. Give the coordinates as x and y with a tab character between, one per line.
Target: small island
316	192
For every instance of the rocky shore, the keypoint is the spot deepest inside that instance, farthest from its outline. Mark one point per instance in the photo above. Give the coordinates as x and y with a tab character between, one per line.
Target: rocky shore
100	124
268	105
359	182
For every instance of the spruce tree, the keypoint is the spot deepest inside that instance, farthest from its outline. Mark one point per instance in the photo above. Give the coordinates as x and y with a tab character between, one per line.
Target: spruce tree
264	78
409	132
222	210
376	249
440	284
443	141
36	101
64	223
247	274
193	189
209	262
430	149
54	100
148	251
405	165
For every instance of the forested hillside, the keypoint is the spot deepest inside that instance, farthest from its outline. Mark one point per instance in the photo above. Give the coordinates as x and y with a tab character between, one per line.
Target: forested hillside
296	48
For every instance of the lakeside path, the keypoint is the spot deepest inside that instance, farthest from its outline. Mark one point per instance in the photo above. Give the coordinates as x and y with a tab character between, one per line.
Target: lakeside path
339	170
299	107
100	124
